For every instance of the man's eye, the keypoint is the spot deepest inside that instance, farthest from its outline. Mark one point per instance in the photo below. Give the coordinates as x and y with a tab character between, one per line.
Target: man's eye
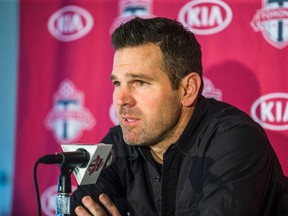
116	83
140	82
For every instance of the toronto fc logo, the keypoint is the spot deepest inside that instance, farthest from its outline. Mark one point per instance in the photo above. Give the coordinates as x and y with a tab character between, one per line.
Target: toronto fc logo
210	91
272	21
128	9
68	118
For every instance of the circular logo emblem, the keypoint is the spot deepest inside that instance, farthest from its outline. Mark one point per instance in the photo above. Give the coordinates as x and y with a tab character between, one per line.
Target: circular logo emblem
271	111
204	17
70	23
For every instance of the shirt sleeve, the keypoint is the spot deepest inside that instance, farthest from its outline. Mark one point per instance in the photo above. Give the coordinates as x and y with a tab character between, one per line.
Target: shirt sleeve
238	174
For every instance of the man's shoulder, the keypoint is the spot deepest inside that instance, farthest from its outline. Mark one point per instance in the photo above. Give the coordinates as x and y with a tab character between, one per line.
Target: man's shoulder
224	116
215	106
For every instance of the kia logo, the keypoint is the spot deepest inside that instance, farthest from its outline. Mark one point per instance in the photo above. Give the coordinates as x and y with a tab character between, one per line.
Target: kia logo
204	17
70	23
271	111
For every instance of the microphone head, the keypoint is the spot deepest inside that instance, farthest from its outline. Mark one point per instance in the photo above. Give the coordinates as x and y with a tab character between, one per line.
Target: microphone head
101	156
51	159
67	159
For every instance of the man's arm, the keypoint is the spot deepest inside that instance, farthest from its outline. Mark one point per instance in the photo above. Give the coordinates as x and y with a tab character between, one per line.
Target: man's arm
239	171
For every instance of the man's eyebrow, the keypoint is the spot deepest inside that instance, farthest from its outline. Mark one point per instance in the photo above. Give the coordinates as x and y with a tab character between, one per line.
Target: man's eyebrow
112	77
132	75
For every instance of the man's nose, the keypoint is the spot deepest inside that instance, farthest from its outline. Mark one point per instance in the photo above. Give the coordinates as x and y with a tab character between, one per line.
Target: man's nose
122	96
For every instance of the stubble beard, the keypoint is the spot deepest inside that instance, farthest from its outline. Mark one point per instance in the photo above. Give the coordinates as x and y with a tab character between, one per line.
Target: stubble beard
152	130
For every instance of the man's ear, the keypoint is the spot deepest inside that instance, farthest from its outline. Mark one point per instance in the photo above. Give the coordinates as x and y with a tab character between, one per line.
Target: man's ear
190	85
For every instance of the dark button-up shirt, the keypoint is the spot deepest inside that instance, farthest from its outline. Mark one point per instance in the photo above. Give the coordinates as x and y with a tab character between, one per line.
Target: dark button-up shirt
222	165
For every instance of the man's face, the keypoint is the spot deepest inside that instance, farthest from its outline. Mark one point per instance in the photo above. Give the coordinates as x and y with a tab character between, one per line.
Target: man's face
148	109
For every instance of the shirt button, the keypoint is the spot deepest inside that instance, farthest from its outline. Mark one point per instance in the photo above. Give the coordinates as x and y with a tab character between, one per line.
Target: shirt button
158	178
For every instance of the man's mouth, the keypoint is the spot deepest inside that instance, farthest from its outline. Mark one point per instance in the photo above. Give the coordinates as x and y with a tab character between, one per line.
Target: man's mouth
130	120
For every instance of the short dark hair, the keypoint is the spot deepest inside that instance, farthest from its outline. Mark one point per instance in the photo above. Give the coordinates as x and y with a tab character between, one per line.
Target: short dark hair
181	50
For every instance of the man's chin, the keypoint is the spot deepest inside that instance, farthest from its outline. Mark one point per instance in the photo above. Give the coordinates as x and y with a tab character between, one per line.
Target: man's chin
133	142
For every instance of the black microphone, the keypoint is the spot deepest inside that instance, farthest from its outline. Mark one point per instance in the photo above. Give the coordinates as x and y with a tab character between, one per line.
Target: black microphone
86	161
80	158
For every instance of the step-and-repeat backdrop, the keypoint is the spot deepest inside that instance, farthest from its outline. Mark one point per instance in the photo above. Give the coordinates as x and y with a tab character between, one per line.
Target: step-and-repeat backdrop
65	61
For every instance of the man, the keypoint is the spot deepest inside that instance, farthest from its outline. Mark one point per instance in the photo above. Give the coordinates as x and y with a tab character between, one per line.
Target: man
178	153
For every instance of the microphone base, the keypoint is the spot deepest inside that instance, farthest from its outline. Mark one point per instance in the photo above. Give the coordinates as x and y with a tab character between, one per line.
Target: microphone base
62	204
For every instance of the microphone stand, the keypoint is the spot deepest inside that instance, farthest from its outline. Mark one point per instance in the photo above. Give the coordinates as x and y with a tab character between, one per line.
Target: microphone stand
67	162
64	190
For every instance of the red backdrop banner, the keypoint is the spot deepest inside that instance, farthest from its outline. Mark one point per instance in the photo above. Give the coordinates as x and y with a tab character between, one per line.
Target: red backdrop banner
65	61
